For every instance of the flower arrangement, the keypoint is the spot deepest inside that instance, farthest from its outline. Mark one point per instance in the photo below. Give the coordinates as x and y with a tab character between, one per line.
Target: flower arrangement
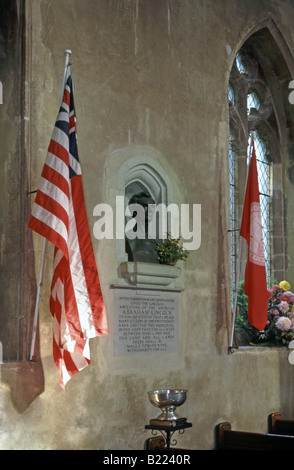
279	329
170	250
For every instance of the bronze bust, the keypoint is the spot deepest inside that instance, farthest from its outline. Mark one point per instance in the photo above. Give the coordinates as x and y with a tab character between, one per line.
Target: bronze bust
142	249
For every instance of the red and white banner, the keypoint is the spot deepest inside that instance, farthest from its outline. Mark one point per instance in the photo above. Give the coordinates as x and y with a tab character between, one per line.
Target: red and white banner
255	286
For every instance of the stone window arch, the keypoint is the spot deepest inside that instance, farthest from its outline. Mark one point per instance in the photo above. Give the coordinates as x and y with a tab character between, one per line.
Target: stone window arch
258	104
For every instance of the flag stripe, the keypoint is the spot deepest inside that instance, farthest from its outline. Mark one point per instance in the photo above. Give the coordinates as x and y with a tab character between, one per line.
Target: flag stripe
52	206
88	259
46	187
58	151
49	219
61	138
56	179
48	232
78	278
58	165
59	214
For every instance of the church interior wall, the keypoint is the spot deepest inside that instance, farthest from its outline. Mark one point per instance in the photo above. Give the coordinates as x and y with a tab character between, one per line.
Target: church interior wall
150	81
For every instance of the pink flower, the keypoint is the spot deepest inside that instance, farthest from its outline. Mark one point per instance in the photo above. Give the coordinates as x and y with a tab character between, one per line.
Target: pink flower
283	306
276	287
274	312
287	295
284	323
270	293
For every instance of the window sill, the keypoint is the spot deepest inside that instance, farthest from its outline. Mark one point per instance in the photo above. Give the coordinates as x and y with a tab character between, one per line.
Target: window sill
251	349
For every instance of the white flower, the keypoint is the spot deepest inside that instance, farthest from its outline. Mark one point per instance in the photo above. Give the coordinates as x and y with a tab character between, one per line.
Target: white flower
284	323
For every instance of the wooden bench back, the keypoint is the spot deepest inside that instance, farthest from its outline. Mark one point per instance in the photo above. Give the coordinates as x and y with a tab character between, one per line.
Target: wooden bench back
227	439
278	425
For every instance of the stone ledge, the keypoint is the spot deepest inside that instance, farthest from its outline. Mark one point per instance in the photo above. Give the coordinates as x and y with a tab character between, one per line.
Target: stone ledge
142	274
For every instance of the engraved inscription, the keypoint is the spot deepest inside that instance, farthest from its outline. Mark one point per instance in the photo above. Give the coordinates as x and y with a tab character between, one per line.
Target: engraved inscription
145	323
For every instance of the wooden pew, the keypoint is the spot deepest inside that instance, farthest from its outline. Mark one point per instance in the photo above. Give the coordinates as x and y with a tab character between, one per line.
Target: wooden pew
227	439
278	425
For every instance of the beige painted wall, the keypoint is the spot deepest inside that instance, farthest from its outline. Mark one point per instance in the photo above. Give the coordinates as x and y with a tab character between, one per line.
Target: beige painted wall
151	73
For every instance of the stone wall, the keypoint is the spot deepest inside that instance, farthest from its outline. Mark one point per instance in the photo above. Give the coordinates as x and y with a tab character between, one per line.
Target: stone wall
148	74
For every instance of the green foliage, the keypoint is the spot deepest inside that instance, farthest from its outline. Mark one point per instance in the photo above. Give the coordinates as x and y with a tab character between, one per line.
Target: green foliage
243	327
170	250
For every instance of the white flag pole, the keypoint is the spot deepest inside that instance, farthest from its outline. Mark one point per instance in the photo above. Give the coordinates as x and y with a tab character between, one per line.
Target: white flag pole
230	350
35	322
37	301
67	54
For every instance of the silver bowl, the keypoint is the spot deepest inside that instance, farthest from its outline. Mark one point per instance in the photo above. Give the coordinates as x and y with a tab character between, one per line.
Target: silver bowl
167	401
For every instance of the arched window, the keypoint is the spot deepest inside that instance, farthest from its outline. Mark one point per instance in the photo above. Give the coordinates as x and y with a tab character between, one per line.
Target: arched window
255	98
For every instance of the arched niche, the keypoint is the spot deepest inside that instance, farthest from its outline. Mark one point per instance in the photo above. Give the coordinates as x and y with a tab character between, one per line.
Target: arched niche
144	187
130	172
148	177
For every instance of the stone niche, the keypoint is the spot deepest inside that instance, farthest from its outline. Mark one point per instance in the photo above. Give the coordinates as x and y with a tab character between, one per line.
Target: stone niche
143	180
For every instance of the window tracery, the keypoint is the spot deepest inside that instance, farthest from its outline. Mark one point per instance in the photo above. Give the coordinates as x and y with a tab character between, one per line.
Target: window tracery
251	114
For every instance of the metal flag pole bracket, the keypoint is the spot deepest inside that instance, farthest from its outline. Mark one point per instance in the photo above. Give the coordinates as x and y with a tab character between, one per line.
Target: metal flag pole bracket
35	322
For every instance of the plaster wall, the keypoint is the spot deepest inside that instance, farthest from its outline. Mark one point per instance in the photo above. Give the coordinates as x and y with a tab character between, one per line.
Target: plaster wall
152	74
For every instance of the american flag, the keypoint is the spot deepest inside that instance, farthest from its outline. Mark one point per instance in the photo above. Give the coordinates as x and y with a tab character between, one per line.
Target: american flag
59	215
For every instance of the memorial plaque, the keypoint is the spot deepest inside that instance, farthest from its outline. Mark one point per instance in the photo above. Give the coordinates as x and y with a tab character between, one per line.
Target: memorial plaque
145	322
